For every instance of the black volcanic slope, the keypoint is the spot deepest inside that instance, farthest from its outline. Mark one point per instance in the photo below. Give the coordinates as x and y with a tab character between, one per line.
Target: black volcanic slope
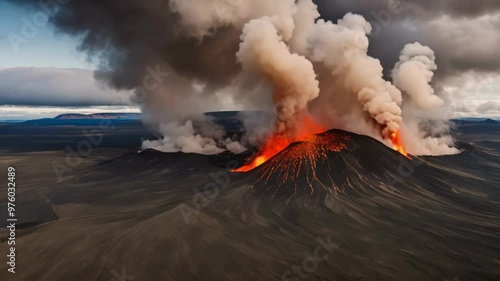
158	216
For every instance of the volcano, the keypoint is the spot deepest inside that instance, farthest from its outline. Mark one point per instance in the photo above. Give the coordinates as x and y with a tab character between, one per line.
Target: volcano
334	206
327	163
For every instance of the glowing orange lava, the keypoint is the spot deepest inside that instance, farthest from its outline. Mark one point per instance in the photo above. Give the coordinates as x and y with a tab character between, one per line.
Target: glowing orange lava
306	131
300	165
280	141
398	144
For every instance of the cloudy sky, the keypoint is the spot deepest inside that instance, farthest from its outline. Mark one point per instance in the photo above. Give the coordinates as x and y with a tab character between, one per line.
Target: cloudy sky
42	72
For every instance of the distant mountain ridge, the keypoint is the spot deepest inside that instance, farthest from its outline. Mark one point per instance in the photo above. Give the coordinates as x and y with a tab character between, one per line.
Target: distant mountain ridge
75	119
468	121
490	121
120	116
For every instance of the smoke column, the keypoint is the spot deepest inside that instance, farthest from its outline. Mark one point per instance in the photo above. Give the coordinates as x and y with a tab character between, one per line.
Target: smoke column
413	75
292	76
184	58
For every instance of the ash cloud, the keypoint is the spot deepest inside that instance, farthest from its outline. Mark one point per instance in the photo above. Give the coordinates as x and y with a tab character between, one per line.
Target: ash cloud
463	33
424	8
133	34
338	66
458	8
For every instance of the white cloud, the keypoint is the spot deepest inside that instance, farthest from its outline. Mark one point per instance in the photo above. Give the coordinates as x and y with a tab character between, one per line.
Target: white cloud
488	109
30	112
56	87
491	107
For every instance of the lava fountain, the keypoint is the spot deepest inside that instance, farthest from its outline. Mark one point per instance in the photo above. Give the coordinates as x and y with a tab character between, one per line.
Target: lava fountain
304	160
395	138
279	141
304	133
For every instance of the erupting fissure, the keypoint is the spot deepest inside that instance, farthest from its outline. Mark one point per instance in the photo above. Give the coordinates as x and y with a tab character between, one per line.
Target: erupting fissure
279	141
397	143
301	162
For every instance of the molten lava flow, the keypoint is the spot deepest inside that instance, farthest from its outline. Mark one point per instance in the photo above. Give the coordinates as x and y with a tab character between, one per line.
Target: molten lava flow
299	163
273	146
304	166
398	144
280	141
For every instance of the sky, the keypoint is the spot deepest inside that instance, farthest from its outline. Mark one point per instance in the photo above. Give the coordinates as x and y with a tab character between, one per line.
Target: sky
46	75
42	72
46	49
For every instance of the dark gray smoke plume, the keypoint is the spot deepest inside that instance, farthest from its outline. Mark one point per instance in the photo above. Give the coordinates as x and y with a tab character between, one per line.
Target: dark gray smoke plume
463	33
129	35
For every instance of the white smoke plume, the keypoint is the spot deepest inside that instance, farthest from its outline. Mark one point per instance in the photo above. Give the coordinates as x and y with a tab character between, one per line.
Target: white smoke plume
427	140
292	76
342	48
183	137
413	75
296	64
